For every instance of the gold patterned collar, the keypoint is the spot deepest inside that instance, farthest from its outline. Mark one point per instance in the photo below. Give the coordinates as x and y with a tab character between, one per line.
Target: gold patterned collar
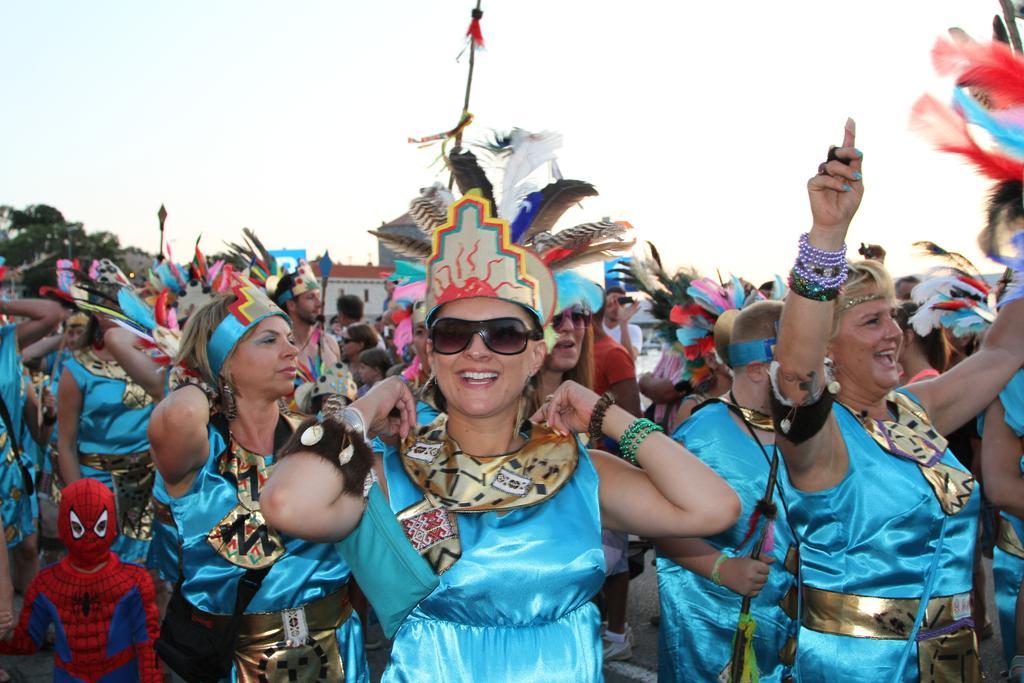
464	483
910	436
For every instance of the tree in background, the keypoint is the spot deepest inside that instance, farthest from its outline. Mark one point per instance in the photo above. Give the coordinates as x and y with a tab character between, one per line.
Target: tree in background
39	230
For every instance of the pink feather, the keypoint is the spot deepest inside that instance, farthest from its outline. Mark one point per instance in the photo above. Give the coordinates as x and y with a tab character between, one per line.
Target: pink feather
948	132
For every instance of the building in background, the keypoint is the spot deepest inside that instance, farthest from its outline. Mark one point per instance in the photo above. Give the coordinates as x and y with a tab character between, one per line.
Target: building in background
403	225
366	282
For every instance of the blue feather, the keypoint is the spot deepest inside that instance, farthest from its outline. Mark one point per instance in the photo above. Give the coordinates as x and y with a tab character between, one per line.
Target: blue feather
1007	135
527	212
136	309
575	290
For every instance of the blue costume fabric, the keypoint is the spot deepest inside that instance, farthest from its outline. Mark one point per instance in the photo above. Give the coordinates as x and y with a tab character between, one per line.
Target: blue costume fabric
221	538
18	507
1007	558
875	534
113	421
516	606
699	617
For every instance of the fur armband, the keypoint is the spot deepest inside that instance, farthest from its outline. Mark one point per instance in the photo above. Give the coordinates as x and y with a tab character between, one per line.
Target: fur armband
332	440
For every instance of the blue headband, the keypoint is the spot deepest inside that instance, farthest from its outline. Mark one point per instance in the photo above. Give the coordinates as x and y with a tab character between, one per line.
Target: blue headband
754	351
250	307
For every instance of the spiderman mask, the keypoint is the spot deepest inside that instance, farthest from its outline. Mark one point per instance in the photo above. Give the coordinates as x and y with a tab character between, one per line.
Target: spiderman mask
87	522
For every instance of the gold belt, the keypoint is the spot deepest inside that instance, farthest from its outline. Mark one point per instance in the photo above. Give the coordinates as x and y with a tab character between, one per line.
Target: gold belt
861	616
329	611
262	656
1007	539
120	462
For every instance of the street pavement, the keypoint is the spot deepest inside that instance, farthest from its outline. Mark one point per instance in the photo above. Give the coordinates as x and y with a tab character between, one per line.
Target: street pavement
642	667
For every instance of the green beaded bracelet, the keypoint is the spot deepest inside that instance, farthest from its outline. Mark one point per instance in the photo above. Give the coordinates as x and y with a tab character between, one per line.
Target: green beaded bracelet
634	436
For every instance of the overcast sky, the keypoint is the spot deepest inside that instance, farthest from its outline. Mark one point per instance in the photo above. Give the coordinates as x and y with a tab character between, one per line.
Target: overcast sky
698	126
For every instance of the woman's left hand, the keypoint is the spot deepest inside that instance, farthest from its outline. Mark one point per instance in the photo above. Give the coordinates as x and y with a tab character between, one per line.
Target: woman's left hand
567	410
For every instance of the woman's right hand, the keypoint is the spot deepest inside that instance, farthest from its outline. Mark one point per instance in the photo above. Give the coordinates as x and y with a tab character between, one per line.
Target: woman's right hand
745	575
378	404
836	191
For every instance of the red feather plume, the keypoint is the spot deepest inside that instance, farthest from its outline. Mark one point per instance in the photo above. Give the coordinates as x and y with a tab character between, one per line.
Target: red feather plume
948	132
992	67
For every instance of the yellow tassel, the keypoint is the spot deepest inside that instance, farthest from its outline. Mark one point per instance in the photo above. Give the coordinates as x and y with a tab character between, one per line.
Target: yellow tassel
749	673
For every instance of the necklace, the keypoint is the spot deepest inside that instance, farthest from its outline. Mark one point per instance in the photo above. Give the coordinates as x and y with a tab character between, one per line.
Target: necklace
754	418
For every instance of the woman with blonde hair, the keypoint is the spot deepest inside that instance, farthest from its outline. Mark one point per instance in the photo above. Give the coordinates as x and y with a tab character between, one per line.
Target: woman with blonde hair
274	607
885	513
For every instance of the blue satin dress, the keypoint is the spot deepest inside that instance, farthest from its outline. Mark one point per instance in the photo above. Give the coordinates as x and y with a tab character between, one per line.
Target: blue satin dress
18	509
516	606
698	617
875	534
304	573
113	420
1007	568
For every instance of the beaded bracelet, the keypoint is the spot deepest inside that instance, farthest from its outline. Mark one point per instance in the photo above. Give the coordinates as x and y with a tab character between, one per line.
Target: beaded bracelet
716	570
634	436
818	274
594	428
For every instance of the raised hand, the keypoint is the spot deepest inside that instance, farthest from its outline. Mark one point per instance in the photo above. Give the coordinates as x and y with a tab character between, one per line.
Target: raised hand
567	410
835	192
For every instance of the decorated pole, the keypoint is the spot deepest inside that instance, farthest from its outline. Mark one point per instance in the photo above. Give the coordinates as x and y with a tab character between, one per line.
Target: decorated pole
162	215
743	664
476	41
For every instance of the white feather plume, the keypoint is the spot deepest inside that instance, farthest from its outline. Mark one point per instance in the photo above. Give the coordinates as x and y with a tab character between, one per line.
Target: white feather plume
525	154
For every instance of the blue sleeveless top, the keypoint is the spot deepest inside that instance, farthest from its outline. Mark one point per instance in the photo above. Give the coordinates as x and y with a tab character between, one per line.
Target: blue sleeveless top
698	617
874	534
115	410
304	573
516	605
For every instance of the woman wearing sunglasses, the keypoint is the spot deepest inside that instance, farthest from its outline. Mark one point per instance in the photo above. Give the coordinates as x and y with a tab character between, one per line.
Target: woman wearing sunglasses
571	351
505	511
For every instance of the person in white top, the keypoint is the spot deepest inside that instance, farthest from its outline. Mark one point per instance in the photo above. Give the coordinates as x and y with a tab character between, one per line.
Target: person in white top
619	309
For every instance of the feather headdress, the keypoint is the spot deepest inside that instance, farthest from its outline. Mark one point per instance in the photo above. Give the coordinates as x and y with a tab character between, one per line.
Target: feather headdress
515	187
954	296
990	95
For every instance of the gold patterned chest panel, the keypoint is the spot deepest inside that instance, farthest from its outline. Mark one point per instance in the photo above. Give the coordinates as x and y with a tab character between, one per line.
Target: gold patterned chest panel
464	483
134	396
243	537
911	436
452	481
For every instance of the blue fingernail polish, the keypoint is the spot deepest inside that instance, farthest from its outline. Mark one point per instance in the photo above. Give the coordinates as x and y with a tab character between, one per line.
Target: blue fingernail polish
846	188
857	175
859	153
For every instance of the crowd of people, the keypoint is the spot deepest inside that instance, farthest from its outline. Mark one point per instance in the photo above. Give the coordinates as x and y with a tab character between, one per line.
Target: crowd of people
227	484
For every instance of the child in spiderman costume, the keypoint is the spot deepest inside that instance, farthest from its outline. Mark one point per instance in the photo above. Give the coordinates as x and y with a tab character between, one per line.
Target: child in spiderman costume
104	610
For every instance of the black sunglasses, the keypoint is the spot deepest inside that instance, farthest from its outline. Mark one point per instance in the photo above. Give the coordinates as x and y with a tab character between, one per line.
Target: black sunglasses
504	336
579	317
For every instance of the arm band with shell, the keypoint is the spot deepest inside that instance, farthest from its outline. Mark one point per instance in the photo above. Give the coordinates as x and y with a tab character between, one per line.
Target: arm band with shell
333	440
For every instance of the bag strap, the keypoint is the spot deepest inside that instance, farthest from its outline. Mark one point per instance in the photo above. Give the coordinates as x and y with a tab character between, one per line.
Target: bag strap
9	426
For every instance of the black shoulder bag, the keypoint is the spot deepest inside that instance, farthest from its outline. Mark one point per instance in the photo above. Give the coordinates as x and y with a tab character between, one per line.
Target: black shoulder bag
193	648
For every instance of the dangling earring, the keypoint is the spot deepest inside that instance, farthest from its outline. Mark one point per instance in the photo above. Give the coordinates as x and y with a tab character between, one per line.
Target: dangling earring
227	399
831	383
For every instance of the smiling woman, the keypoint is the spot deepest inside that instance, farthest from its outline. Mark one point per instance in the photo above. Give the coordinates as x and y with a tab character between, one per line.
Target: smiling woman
501	514
878	495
